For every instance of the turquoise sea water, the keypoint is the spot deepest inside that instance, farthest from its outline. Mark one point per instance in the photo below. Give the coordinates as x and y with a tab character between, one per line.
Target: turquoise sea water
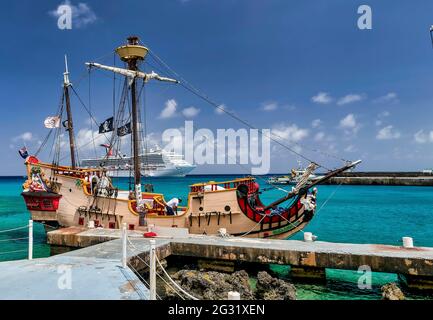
356	214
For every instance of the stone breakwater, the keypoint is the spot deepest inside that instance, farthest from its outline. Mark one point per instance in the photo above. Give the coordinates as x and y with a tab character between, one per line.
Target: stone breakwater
383	178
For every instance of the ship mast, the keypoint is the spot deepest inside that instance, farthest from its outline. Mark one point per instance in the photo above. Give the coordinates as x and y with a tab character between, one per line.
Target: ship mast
131	54
132	61
70	126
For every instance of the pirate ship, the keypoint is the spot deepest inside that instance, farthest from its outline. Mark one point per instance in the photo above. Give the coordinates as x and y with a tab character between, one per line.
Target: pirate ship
69	195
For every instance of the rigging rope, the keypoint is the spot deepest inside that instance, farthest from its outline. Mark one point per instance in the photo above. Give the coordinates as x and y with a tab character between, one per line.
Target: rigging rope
204	97
90	109
329	198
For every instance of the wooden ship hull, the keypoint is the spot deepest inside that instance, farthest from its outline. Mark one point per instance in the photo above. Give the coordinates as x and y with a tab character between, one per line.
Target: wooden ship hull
232	206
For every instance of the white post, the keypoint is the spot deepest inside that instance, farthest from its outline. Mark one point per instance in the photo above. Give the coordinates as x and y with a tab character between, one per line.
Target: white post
152	271
308	237
30	239
124	238
233	295
407	242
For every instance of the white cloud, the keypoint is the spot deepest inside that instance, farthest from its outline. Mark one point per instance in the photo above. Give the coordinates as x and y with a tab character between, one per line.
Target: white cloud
82	14
322	98
270	106
220	110
384	114
169	110
289	107
290	132
26	137
190	112
350	148
320	136
388	133
350	98
316	123
389	97
85	143
423	137
349	124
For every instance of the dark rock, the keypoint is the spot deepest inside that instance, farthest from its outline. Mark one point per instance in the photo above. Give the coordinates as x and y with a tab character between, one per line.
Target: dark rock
269	288
391	291
212	285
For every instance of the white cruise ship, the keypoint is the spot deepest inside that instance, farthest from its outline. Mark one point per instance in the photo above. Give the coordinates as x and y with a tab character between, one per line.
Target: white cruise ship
154	163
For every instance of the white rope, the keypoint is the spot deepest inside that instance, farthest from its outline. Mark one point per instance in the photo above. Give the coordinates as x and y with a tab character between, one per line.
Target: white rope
323	205
142	260
293	225
252	229
14	229
15	251
16	239
45	225
174	282
142	279
329	198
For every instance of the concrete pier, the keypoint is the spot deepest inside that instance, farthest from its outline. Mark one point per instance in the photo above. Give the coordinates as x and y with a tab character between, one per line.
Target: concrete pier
67	277
95	269
307	259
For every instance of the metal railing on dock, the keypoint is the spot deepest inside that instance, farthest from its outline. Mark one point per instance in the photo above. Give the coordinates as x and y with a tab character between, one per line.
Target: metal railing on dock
29	248
152	265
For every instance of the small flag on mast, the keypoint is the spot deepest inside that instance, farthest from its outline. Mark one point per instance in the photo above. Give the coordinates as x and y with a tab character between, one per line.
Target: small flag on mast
52	122
107	125
23	152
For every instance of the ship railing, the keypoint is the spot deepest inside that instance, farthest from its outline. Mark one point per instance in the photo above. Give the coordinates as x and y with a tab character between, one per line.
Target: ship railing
68	171
222	185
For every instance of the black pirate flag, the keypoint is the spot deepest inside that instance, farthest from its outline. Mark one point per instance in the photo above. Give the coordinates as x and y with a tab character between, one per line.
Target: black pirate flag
107	125
124	130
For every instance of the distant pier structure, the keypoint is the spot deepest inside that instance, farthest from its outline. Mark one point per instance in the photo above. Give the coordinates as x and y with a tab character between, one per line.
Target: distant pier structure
424	178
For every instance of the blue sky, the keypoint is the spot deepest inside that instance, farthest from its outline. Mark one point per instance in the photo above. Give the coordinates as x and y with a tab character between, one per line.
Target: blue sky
302	68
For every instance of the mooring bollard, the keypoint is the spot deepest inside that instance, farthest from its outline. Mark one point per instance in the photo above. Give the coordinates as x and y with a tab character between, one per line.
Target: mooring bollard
233	295
407	242
152	271
30	239
308	237
124	238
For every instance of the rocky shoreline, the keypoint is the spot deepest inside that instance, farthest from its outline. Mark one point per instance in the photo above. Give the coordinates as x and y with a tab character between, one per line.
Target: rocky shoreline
251	282
211	285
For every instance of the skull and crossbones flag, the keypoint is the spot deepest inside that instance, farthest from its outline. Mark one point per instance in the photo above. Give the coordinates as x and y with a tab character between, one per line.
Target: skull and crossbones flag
107	125
52	122
124	130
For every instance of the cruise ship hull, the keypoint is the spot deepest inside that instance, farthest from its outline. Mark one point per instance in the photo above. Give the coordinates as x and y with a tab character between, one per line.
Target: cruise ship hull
152	164
157	173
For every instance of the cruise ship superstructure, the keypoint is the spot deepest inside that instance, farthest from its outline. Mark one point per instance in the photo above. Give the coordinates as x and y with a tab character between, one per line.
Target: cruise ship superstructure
153	163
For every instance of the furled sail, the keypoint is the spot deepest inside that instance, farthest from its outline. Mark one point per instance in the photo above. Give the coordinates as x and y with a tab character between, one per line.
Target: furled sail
132	73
